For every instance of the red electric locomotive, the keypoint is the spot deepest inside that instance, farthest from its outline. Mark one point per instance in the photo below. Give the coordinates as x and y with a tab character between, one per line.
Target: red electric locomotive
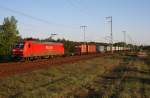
37	49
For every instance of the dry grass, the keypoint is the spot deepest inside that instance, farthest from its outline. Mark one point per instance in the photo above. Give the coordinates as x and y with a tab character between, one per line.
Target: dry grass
129	80
55	82
83	79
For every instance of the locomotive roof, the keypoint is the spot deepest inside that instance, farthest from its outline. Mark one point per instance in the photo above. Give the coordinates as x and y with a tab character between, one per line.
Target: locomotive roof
45	42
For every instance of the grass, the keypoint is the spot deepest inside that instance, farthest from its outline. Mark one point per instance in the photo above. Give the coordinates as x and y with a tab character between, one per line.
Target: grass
55	82
136	84
83	78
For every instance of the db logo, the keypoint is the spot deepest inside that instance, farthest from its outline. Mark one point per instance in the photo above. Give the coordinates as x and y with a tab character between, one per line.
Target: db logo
49	47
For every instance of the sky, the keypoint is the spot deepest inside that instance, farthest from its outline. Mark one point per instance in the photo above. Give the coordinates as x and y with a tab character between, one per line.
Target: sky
41	18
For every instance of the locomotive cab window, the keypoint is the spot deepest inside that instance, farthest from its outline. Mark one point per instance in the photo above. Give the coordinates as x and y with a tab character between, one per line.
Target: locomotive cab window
19	46
16	46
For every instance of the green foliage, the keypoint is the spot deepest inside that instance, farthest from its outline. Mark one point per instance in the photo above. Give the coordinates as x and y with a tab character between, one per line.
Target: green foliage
147	48
69	46
121	44
8	35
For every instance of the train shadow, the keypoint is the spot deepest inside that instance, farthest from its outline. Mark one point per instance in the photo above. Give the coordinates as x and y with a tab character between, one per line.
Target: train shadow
6	59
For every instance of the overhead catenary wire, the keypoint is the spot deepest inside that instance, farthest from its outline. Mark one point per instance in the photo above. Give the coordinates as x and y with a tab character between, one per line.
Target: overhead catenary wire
40	19
76	4
77	7
33	27
32	17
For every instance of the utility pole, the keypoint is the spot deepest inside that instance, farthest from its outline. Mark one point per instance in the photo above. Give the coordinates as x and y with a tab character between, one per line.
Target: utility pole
124	33
111	33
131	42
84	29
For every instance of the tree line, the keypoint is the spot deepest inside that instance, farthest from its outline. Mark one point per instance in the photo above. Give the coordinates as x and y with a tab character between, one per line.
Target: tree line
9	36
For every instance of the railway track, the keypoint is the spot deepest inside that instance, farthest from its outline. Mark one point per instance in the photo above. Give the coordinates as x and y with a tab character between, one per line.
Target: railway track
13	68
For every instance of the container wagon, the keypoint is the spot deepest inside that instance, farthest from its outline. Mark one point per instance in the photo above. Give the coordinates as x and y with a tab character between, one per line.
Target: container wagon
119	48
114	48
85	49
91	48
100	48
108	48
80	49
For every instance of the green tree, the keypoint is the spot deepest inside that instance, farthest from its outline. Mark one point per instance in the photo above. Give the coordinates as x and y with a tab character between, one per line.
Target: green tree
121	44
8	35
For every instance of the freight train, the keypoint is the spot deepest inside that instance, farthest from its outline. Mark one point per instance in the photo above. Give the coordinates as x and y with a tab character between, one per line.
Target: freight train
35	49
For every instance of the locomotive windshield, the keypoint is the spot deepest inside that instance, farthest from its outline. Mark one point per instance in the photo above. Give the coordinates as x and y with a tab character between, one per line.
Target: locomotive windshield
20	45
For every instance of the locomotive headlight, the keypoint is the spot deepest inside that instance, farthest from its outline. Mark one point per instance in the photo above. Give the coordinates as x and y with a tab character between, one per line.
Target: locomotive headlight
21	50
14	50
